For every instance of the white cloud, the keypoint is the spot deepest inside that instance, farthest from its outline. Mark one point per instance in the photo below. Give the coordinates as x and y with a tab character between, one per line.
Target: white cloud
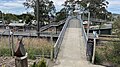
58	4
12	6
113	2
17	7
114	6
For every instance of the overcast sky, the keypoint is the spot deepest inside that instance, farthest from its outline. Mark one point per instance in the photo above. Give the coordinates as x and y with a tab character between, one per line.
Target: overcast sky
17	7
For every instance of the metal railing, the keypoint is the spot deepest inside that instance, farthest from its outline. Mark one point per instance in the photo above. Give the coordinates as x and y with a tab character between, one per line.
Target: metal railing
29	34
60	38
83	30
51	24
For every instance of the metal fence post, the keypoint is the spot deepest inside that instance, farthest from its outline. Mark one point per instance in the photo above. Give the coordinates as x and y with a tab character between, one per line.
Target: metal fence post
93	57
95	36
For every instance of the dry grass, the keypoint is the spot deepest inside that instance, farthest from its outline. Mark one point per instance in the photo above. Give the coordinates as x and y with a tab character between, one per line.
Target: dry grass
34	46
36	43
4	42
103	53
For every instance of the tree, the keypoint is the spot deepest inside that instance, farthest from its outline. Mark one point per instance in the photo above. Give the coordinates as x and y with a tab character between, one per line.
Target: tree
69	6
61	15
46	9
42	9
116	26
0	14
97	8
10	17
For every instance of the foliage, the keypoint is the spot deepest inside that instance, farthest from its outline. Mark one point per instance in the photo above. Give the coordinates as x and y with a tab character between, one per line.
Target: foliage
10	17
115	55
4	47
46	9
116	50
116	27
97	7
41	63
26	17
103	53
61	15
110	52
5	52
98	58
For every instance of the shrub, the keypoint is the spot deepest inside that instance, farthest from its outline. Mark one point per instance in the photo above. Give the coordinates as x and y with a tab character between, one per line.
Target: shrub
5	52
98	58
41	63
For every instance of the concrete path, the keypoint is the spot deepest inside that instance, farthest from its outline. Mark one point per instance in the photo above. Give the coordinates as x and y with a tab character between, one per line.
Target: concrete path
73	49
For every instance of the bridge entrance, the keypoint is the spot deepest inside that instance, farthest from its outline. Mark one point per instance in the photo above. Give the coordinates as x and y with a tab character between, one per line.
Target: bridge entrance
73	49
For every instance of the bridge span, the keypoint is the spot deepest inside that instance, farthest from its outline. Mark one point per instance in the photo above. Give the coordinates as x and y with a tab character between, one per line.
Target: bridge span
72	52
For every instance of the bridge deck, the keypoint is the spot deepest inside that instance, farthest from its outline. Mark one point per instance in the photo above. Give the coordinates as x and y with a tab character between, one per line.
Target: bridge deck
73	49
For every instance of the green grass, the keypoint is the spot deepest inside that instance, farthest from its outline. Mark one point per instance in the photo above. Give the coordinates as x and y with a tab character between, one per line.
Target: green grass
41	63
5	52
108	53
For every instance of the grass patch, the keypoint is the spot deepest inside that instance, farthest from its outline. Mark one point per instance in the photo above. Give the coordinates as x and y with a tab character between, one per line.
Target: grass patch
108	54
41	63
33	46
5	52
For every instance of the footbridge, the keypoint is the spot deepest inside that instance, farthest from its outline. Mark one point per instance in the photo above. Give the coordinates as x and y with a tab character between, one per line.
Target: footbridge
70	48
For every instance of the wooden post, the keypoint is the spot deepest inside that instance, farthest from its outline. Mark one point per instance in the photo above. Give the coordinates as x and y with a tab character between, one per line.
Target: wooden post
38	18
12	46
21	55
93	57
9	44
21	61
52	45
51	57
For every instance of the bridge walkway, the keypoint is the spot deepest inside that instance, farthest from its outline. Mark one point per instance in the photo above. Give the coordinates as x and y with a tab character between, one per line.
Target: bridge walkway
73	50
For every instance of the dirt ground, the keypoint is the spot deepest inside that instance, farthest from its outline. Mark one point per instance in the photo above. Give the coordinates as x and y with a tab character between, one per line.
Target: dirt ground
10	62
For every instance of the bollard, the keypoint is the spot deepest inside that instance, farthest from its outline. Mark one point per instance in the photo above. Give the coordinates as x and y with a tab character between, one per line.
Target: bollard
21	61
20	54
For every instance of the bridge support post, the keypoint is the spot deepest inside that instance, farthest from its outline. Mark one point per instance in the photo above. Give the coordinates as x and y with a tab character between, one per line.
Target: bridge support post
93	57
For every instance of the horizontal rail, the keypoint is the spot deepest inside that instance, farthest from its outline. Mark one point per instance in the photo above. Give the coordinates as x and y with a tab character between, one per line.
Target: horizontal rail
29	34
83	30
52	24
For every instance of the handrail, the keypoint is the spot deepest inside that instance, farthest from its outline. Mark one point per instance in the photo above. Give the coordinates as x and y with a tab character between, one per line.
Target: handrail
85	35
50	25
60	38
83	30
